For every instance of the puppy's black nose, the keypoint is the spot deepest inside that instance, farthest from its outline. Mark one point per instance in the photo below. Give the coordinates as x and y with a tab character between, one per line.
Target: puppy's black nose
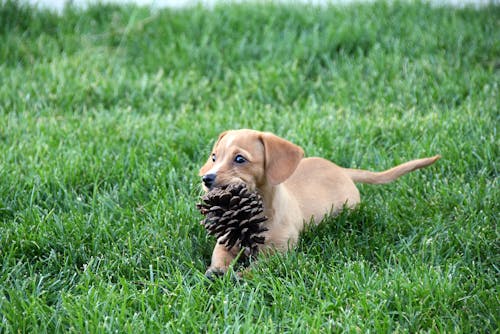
208	180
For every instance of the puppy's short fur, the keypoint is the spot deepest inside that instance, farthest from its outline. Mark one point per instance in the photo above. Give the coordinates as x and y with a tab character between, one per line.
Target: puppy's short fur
295	190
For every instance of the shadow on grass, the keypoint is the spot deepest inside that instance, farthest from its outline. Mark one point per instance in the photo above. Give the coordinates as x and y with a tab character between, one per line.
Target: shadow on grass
357	234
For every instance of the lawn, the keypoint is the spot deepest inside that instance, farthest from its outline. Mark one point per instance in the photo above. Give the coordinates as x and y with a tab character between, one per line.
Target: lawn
106	115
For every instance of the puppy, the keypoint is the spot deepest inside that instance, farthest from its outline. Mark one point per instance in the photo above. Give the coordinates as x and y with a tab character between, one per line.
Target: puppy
295	190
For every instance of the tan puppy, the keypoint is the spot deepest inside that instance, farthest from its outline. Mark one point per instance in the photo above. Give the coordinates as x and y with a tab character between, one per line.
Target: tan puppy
295	190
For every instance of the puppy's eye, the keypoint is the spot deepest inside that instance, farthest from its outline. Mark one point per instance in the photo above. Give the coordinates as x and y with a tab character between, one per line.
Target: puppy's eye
213	157
239	159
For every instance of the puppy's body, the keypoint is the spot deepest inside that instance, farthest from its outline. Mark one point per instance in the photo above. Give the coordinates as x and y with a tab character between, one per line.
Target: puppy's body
295	190
317	188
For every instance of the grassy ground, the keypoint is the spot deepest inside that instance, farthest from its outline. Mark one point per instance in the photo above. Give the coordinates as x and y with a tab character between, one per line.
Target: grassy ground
107	114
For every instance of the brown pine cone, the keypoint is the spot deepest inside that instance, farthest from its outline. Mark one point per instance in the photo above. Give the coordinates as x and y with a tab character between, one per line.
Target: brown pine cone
233	216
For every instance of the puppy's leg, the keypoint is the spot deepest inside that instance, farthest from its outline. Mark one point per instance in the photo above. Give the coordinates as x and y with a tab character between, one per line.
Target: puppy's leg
221	259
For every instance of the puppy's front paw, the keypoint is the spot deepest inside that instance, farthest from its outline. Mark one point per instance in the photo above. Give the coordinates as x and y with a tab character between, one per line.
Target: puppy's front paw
213	273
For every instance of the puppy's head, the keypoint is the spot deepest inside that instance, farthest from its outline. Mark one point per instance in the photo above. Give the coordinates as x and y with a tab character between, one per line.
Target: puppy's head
252	157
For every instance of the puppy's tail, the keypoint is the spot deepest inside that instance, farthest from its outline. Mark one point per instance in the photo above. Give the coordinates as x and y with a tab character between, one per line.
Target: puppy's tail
364	176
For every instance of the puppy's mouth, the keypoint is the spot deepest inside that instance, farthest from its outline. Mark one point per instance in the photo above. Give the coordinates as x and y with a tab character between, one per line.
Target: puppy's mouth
224	185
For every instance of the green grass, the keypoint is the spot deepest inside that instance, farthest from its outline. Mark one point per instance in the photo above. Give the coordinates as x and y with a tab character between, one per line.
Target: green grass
107	114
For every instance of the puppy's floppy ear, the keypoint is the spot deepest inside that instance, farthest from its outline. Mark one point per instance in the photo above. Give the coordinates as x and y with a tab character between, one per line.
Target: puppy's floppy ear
206	167
281	157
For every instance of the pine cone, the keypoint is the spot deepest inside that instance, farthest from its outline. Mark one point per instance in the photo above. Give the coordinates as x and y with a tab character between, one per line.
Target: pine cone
233	216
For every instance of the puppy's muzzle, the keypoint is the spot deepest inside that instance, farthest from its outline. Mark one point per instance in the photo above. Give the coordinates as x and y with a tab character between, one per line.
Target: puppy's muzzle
208	180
